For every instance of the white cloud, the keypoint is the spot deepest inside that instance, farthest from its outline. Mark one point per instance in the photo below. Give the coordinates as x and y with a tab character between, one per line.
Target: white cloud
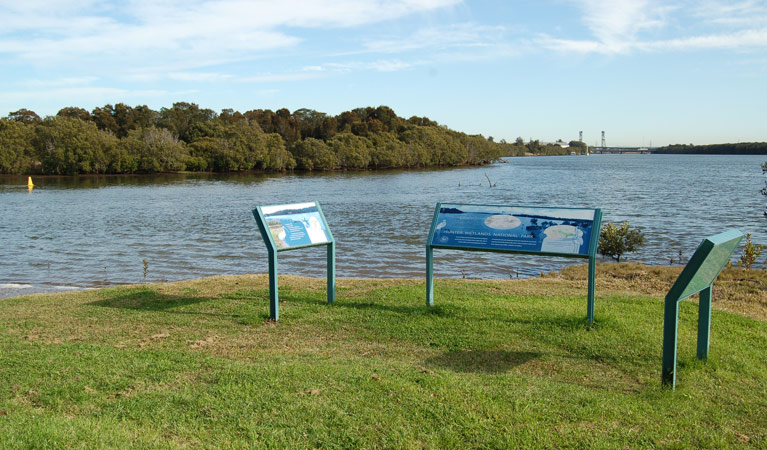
281	77
617	24
199	76
626	26
440	38
66	81
88	94
327	70
734	14
40	32
739	40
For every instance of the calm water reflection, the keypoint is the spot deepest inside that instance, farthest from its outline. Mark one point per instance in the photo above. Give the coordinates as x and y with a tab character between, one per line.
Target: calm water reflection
93	231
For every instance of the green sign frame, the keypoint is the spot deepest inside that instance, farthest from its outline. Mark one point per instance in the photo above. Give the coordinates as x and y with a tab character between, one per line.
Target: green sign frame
505	241
296	213
697	277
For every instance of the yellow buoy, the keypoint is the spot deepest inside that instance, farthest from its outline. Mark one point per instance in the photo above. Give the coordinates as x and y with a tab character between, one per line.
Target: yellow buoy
30	184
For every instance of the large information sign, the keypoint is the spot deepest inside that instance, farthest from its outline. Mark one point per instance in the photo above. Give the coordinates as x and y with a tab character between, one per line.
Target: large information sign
567	232
555	231
290	227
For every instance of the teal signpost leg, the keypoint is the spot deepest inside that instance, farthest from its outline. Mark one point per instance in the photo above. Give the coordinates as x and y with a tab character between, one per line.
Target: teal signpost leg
274	307
670	326
331	273
590	302
697	277
704	322
429	276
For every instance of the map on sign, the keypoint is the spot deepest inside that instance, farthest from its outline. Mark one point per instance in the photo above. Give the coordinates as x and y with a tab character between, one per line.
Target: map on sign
295	225
512	228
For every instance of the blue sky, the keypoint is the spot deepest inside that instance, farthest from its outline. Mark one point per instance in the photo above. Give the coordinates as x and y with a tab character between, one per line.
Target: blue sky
646	72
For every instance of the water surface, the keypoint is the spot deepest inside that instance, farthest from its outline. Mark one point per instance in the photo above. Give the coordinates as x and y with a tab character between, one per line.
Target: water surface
95	231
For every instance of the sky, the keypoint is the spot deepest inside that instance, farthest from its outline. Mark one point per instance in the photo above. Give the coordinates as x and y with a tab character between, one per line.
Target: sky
646	72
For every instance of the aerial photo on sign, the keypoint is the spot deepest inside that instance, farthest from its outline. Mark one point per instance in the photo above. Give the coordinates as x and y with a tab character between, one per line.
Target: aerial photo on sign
511	228
295	225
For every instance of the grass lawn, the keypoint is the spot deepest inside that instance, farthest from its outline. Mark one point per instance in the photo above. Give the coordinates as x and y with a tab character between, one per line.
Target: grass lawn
494	364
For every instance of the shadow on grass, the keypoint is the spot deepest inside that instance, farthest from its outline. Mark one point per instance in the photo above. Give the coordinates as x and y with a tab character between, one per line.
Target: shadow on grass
480	361
146	299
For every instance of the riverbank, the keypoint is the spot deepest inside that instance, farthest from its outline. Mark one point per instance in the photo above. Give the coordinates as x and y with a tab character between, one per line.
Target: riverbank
495	363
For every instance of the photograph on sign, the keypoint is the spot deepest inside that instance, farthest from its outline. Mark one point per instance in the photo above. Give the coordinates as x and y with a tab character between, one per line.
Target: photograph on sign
295	225
546	230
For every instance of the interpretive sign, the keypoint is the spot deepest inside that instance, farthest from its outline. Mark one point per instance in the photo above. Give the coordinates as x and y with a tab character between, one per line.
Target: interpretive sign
554	231
567	232
297	225
290	227
698	276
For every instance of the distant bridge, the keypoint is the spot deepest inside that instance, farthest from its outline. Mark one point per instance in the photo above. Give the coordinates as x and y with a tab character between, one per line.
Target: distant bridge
622	150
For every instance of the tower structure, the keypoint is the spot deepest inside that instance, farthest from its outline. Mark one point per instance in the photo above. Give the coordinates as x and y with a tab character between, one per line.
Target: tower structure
604	144
580	136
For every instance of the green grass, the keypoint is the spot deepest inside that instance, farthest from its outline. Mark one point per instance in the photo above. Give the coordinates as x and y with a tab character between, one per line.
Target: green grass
494	364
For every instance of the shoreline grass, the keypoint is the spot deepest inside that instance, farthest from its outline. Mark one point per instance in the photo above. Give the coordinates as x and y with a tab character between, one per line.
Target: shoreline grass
494	364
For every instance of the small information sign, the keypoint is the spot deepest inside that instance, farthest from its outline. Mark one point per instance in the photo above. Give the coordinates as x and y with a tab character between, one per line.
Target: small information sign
290	227
697	277
567	232
296	225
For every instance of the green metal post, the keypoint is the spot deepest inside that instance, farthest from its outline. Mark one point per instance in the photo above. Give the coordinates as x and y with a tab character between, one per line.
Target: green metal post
331	273
429	275
274	308
590	302
704	322
670	326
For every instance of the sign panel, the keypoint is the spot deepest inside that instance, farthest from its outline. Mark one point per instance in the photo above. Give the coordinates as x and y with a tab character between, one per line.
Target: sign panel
295	225
706	263
562	231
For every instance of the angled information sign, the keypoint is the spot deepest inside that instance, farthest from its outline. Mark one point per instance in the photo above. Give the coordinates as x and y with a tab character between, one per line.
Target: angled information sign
291	227
551	231
697	277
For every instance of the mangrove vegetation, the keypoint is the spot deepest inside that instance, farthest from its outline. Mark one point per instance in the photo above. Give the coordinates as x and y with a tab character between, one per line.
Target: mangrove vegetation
120	139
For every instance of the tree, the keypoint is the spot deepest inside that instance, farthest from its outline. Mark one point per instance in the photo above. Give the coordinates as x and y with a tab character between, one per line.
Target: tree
388	151
311	153
69	146
277	157
353	152
615	241
750	253
578	146
182	117
25	116
16	146
157	150
75	112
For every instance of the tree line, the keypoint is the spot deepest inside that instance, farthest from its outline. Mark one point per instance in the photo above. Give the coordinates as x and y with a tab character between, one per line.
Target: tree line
535	147
741	148
121	139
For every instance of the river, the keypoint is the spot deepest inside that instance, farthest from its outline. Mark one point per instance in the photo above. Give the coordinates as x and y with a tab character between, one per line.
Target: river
81	232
